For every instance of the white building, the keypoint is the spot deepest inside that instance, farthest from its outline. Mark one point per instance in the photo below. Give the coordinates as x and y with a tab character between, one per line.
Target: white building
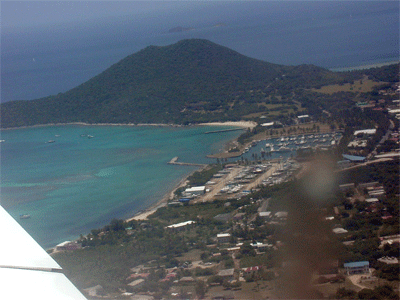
364	131
223	237
196	190
181	226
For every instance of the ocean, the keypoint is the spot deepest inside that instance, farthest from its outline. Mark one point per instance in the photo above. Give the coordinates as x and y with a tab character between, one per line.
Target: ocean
77	183
45	60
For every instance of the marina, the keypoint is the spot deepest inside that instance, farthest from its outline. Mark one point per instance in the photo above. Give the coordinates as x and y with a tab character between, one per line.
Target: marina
289	146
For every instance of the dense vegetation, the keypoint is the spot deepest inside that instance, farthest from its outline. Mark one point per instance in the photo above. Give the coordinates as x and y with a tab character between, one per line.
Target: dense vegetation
190	81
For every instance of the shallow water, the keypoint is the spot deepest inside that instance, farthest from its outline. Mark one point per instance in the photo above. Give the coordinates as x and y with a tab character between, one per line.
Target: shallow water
78	183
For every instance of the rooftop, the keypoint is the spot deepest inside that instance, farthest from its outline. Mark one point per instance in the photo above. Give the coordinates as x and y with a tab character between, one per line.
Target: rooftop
356	264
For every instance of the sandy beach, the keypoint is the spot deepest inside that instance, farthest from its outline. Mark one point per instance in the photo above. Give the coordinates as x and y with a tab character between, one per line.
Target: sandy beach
163	202
244	124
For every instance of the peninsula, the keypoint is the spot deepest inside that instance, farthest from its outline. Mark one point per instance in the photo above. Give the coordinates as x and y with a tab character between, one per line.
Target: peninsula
192	81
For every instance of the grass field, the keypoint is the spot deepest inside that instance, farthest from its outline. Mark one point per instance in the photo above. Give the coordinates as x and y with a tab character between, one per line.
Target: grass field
363	85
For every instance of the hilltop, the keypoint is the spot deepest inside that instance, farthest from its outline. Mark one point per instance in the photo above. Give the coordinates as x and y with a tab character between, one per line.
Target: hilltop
188	82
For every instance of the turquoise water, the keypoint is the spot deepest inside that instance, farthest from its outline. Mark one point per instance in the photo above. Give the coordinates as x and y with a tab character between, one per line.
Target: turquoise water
77	183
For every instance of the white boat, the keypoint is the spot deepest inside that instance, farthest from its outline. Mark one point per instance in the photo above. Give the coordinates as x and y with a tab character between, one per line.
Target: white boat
284	149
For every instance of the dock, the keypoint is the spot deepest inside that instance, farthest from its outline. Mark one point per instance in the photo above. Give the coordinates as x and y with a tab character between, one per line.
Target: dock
224	130
175	162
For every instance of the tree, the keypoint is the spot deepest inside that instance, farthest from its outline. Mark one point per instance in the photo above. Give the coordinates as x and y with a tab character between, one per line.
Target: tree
200	289
342	293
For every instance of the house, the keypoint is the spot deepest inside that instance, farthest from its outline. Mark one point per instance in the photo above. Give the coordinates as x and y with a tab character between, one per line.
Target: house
94	291
260	246
339	230
281	215
136	283
303	118
223	237
265	215
68	246
187	280
238	216
227	274
347	187
388	260
359	267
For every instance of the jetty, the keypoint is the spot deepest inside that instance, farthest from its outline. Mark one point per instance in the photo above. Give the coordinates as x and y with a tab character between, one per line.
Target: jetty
175	162
223	130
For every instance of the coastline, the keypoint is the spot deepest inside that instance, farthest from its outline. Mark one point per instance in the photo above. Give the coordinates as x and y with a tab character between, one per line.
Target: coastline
364	67
142	215
244	124
95	124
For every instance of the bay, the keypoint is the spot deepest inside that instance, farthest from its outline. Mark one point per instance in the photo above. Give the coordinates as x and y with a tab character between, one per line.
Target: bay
92	174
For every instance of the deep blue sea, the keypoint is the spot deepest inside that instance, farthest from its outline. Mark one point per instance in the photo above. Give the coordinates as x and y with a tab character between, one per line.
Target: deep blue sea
44	60
76	183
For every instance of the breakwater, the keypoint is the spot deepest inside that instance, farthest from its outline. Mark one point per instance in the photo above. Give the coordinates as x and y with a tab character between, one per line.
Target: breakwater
223	130
175	162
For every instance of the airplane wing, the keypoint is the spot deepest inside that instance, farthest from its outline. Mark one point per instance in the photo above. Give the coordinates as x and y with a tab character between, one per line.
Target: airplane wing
26	270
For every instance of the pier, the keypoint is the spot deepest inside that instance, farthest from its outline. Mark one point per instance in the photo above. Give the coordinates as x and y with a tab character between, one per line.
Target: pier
224	130
175	162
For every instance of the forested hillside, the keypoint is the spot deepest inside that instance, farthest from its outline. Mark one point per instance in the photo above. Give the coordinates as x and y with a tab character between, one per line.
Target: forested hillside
187	82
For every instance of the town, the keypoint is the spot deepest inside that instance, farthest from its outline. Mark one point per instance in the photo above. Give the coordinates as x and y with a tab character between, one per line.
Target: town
320	224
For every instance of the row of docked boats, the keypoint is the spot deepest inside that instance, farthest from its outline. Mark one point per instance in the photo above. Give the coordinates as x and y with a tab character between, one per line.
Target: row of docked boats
293	143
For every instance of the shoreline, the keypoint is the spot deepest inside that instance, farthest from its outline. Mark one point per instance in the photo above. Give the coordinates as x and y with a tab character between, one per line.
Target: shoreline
243	124
143	214
364	67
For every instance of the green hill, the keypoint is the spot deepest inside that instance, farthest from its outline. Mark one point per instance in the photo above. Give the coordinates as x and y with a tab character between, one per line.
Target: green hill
187	82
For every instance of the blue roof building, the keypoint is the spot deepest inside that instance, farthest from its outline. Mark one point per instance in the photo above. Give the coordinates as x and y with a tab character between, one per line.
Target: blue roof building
354	158
359	267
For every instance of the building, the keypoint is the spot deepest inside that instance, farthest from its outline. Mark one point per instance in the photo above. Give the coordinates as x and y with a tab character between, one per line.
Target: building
354	158
181	226
223	237
303	118
339	230
196	190
68	246
261	246
364	131
136	283
388	260
227	274
281	215
269	124
265	215
359	267
347	187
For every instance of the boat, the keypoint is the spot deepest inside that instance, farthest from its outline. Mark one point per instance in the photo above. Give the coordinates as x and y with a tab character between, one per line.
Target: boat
1	141
90	136
24	216
284	149
51	141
